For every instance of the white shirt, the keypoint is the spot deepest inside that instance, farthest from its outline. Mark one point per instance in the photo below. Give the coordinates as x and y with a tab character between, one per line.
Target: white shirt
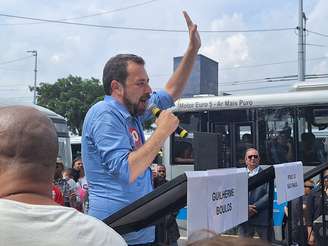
72	185
253	172
83	183
51	225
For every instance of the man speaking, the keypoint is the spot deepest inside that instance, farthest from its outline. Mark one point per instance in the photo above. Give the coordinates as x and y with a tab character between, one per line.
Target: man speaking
116	157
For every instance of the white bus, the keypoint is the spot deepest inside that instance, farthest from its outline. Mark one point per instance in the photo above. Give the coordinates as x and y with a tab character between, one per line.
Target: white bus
61	128
284	127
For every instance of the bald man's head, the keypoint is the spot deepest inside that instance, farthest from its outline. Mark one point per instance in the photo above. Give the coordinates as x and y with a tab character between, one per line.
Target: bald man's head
28	139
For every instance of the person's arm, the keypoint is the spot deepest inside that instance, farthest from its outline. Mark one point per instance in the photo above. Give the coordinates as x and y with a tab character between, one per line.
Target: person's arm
142	158
262	202
178	80
113	142
251	210
311	238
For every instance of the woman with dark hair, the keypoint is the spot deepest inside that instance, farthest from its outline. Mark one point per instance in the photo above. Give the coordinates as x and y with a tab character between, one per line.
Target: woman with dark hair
77	166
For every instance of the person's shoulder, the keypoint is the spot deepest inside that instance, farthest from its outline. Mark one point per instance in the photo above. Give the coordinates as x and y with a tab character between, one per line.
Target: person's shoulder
94	111
103	111
102	232
98	108
162	99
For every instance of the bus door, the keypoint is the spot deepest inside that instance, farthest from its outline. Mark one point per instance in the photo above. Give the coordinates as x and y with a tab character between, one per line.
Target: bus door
243	139
225	147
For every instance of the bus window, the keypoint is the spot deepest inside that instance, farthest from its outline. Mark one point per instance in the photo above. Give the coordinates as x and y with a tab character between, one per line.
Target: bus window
244	141
76	146
64	151
183	152
279	139
312	137
182	149
224	131
236	129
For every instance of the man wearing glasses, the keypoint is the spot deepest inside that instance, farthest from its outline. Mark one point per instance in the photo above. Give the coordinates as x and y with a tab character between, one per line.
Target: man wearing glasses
258	221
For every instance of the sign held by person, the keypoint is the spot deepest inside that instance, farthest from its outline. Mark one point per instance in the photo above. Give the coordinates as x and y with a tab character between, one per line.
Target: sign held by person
289	181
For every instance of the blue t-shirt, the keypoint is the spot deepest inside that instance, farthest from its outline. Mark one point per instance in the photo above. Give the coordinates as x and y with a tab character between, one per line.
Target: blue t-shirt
110	133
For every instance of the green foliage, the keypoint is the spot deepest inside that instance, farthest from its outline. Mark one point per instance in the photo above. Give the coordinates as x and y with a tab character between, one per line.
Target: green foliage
71	97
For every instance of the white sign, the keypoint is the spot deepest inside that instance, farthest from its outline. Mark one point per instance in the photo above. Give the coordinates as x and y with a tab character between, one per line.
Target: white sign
217	200
289	181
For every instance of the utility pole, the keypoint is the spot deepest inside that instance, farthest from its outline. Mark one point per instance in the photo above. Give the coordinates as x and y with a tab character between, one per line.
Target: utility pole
301	41
35	54
304	44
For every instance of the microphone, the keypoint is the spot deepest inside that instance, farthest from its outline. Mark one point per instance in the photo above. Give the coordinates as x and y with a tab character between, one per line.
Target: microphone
157	111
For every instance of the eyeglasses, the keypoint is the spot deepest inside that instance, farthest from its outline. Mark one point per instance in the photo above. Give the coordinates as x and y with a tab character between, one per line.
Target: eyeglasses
308	186
252	156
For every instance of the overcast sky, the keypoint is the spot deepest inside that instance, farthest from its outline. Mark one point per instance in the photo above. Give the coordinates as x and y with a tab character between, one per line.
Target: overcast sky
80	50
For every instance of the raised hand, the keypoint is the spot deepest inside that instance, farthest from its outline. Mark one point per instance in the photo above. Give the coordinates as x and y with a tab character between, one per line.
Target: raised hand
194	38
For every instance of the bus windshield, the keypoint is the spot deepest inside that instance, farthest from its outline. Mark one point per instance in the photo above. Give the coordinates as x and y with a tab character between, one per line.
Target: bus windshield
64	151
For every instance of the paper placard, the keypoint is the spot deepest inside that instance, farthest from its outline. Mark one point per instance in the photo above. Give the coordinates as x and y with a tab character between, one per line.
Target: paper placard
196	198
289	181
217	200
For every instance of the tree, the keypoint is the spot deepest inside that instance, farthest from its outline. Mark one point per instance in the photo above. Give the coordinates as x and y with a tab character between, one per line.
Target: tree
70	97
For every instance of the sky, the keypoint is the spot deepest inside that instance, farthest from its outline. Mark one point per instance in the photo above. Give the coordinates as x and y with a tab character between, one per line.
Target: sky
244	58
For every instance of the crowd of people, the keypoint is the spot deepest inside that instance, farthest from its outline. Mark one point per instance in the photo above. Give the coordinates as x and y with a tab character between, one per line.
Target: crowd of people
70	187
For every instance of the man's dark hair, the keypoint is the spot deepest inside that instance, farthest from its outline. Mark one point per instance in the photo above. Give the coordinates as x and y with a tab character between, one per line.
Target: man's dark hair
116	69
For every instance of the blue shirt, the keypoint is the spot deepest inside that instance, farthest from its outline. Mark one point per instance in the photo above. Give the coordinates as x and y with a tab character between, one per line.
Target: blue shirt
110	133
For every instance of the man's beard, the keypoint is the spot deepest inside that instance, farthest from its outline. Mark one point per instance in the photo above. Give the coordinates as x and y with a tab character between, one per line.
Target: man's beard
133	108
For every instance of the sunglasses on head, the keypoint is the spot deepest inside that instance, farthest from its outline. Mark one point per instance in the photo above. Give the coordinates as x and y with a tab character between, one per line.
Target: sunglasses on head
252	156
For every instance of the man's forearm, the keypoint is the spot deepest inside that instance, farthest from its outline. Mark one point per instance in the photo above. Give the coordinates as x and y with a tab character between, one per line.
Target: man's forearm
178	80
142	158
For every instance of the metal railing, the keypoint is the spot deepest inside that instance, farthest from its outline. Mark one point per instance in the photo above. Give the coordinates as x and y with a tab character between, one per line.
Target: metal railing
172	196
307	176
